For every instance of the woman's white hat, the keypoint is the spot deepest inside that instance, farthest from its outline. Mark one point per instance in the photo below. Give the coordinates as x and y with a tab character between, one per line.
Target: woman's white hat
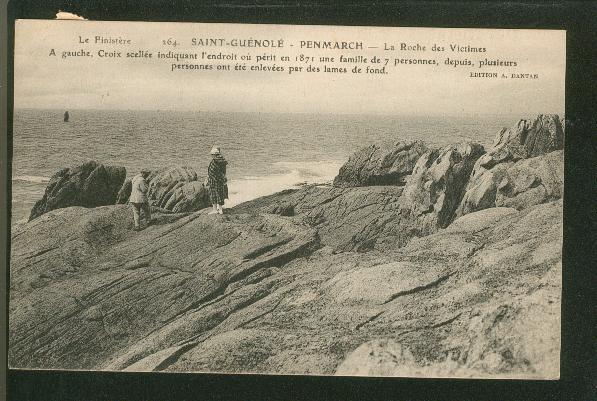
215	150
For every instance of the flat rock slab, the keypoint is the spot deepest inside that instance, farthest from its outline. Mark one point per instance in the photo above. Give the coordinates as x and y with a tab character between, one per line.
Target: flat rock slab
382	283
74	290
253	292
430	302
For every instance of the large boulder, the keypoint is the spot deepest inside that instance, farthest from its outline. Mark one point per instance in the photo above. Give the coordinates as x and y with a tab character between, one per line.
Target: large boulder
188	197
176	188
519	185
125	192
163	180
380	164
504	176
436	186
89	185
532	181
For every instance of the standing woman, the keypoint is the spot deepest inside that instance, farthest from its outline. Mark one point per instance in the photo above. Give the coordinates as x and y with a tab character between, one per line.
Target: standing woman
216	180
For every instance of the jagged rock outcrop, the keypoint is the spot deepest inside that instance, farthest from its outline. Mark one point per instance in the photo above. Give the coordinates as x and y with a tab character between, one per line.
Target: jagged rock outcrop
529	138
382	217
380	164
436	186
176	188
89	185
504	177
385	217
260	293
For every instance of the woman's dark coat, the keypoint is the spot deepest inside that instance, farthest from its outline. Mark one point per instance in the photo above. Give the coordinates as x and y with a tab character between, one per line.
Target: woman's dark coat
216	180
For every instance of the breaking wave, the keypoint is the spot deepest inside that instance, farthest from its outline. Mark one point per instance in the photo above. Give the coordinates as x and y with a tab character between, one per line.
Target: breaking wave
292	175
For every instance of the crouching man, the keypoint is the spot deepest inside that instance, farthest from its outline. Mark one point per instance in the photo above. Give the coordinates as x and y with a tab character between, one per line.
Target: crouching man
139	198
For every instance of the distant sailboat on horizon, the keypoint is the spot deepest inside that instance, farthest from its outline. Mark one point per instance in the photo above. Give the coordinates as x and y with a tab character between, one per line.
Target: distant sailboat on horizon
66	116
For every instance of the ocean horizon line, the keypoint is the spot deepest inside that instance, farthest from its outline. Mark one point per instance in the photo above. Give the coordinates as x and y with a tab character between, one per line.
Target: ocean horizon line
312	113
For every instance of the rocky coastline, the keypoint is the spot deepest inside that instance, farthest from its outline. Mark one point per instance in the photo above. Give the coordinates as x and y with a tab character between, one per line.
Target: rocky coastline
415	262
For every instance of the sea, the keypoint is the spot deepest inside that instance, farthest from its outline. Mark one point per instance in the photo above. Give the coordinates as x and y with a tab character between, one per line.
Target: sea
266	152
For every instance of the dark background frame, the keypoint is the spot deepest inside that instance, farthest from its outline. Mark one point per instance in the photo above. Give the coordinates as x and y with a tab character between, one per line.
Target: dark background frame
578	379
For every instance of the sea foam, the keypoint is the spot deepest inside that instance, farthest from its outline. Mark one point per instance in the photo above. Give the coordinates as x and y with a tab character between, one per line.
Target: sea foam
294	175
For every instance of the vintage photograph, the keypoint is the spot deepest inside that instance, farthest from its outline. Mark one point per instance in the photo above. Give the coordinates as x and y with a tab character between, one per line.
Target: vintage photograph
284	199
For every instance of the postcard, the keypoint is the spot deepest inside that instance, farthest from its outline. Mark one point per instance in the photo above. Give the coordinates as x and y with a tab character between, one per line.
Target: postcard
287	199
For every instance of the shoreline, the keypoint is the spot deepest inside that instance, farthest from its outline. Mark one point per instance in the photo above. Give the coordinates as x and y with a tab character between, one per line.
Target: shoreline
241	189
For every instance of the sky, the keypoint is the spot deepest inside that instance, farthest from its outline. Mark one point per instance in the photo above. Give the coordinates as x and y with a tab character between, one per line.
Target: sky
45	81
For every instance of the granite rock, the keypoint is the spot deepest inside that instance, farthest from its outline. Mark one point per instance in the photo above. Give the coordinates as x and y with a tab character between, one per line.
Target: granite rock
380	164
89	185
